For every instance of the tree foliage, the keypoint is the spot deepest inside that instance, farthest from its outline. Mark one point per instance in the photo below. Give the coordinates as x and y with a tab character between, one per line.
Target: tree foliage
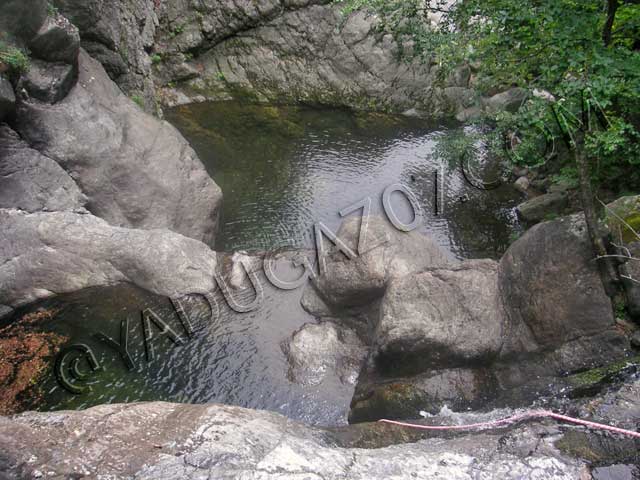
584	53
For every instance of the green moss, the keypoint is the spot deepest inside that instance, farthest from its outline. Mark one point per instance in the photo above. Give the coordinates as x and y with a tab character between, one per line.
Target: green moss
156	58
599	375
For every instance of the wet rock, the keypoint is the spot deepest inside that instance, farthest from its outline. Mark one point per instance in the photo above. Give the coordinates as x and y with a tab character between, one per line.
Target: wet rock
459	389
7	98
318	350
31	182
551	286
539	208
48	82
441	318
135	170
57	40
635	339
388	254
167	441
42	254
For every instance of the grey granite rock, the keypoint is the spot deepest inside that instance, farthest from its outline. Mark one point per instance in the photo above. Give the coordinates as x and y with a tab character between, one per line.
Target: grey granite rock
42	254
135	170
168	441
31	182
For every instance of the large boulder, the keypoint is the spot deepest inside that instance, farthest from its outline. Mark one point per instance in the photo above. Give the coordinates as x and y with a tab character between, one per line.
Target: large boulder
539	208
387	254
47	82
550	285
31	182
136	171
168	441
57	40
441	318
42	254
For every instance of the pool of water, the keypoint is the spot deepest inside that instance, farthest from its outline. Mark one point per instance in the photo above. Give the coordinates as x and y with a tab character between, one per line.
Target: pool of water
281	170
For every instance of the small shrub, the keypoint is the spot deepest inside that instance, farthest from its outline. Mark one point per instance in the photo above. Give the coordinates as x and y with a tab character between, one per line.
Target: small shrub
15	60
221	77
156	58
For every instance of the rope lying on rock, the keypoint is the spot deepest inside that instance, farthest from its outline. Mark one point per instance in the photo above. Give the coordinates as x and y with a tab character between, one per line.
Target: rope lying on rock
516	418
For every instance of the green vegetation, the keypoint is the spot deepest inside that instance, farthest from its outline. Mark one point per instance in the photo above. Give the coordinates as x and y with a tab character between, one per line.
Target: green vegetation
578	59
156	58
138	100
177	30
14	60
52	10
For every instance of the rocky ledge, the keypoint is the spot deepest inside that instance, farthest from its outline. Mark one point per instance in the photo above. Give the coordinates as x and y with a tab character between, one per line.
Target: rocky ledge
168	441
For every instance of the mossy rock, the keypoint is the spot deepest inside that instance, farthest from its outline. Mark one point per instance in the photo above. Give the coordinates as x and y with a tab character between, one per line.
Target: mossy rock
591	381
622	214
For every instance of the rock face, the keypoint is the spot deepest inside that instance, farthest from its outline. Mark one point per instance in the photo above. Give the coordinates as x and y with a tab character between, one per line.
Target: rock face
135	170
168	441
42	254
31	182
57	40
302	51
118	33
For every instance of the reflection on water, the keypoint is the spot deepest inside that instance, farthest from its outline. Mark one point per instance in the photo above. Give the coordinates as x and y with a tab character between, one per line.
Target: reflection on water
281	170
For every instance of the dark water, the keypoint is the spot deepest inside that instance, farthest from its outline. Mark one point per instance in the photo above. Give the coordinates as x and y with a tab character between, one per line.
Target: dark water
281	170
284	168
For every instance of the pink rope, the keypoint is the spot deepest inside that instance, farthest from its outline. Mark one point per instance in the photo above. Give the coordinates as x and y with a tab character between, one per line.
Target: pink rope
516	418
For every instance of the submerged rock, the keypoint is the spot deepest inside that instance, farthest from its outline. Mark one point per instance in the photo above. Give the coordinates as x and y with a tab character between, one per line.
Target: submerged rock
458	388
135	170
318	349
